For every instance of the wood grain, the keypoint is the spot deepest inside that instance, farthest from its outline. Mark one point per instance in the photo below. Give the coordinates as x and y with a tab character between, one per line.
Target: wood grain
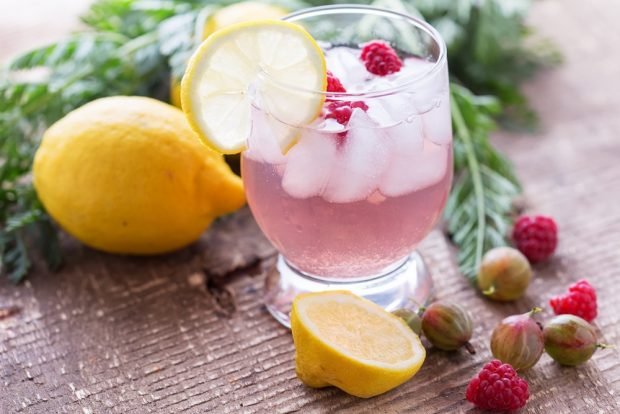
112	334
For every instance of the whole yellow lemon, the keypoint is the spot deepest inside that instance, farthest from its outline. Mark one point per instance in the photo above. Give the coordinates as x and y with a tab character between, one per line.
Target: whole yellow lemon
128	175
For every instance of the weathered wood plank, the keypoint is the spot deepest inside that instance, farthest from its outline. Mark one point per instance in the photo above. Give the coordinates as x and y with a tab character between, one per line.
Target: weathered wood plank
137	335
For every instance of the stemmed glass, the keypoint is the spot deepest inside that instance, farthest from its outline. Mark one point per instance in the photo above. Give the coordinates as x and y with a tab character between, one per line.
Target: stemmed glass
348	204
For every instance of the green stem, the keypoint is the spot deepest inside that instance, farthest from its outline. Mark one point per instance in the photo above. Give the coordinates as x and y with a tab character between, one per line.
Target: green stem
138	43
489	291
474	169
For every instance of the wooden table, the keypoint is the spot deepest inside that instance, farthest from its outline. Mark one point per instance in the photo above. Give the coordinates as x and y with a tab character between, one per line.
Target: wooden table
112	334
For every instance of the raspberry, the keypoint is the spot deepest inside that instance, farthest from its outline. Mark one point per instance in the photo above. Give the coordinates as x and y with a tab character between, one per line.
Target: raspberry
380	58
497	387
334	84
536	237
579	301
341	110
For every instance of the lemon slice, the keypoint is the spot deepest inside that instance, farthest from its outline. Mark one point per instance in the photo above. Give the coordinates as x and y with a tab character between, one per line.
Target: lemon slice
278	61
351	343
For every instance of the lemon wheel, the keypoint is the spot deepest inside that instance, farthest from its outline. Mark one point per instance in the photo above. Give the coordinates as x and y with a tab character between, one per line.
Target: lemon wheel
280	61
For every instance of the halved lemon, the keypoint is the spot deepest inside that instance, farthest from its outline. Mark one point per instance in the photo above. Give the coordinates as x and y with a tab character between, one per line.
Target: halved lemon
351	343
273	62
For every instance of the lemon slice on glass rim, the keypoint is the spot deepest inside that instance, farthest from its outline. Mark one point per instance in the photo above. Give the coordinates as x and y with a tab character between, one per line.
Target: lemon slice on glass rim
215	88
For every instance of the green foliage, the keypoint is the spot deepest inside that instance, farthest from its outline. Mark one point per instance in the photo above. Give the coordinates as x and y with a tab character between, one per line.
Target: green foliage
479	207
491	50
28	218
132	46
133	18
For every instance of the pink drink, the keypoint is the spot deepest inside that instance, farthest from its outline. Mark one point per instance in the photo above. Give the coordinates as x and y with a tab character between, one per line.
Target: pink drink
354	200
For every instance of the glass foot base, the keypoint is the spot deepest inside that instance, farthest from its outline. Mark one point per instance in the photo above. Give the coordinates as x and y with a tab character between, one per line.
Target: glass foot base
408	286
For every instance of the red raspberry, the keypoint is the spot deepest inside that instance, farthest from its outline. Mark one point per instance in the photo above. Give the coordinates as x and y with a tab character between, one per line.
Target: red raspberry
497	387
334	84
580	301
536	237
380	58
341	110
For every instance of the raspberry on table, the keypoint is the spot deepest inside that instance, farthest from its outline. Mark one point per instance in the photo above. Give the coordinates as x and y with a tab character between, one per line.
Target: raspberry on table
497	387
579	301
334	84
380	58
341	111
535	236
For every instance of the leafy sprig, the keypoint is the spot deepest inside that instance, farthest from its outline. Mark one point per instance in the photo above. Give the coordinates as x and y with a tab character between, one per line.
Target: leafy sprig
133	46
479	207
29	220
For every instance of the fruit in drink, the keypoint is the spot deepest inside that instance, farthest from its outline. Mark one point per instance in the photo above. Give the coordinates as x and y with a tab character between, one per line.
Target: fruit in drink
214	90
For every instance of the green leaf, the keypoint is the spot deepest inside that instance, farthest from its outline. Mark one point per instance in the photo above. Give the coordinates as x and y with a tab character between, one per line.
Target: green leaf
478	212
47	241
14	259
22	219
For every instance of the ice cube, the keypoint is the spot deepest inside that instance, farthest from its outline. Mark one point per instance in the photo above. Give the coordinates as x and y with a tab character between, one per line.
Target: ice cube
407	135
329	125
427	87
413	67
429	91
347	66
309	164
378	111
411	169
406	138
391	108
397	113
263	143
437	122
361	161
406	142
